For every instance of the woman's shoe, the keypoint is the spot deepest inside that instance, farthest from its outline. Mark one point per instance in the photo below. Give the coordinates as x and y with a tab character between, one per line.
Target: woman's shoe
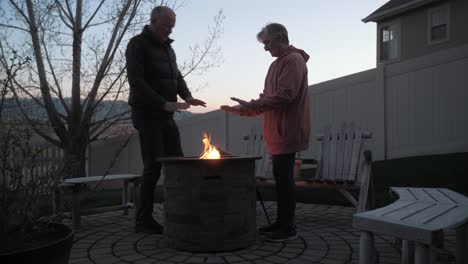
281	235
269	228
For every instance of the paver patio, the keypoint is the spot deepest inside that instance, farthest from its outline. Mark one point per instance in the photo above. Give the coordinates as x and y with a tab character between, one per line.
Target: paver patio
325	236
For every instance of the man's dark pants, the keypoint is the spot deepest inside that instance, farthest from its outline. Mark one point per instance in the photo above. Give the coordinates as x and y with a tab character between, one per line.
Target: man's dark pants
283	172
159	137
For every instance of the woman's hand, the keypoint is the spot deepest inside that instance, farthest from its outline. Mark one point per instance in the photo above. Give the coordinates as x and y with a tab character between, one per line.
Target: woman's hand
240	101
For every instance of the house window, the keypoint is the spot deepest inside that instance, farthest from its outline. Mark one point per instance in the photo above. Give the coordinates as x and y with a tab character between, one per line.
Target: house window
389	42
438	24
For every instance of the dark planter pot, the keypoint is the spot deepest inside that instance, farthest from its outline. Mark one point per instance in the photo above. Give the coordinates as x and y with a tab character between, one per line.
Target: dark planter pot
56	252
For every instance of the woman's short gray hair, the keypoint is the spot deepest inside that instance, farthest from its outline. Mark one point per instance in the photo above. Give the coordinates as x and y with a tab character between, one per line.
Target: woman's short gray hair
272	30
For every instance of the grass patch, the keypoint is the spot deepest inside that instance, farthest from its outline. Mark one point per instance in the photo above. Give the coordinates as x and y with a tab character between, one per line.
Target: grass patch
90	198
94	198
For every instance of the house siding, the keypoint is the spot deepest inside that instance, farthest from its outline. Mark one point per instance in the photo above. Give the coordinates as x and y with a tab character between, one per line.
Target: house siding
414	30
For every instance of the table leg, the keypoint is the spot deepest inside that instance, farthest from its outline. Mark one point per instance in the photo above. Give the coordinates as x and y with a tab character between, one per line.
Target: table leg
421	255
76	217
56	200
136	196
461	251
407	252
125	197
366	249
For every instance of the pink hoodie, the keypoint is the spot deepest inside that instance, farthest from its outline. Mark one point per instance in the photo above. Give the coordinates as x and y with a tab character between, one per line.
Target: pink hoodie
285	103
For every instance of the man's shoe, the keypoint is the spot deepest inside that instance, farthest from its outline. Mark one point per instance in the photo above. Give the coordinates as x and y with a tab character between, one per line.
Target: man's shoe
269	228
281	235
151	227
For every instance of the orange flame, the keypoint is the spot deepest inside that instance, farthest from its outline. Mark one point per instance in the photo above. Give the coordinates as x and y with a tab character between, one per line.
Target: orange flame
209	152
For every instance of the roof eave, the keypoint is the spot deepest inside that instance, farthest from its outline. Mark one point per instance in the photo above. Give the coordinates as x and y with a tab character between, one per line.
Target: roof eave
376	17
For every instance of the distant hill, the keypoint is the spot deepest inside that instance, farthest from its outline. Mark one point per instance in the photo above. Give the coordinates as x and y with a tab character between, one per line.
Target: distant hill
11	112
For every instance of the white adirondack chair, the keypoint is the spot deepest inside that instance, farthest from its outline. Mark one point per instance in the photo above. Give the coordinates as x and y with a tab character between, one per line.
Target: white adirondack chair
342	163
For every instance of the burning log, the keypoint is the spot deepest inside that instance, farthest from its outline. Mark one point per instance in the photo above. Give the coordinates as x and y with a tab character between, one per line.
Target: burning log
211	151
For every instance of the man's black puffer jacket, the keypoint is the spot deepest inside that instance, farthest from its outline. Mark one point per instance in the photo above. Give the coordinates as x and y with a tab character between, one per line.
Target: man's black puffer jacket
153	75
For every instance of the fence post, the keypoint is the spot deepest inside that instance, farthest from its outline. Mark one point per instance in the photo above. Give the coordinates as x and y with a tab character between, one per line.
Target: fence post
226	118
381	112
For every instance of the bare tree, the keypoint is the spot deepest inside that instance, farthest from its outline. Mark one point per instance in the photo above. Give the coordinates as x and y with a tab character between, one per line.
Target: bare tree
77	49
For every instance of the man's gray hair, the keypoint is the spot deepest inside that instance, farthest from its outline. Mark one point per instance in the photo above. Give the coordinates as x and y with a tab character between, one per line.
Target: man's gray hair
160	10
273	30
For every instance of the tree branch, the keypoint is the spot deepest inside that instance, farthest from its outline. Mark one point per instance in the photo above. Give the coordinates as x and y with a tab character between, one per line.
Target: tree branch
32	123
110	51
49	105
93	15
214	35
11	72
113	160
21	12
14	27
109	89
101	23
70	13
59	90
74	123
63	12
34	98
104	128
96	124
47	13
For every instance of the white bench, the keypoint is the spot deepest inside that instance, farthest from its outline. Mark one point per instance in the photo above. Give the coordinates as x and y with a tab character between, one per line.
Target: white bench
77	184
417	217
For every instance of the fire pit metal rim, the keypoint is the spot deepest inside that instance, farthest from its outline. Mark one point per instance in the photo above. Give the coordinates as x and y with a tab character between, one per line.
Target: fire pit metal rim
193	159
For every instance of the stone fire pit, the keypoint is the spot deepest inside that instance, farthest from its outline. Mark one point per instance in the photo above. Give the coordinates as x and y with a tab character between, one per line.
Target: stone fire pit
210	203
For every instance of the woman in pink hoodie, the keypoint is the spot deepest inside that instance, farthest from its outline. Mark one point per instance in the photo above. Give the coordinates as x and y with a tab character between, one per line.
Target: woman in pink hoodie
285	106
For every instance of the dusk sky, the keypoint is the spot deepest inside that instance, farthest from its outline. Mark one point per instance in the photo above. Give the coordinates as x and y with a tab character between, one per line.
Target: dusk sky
331	32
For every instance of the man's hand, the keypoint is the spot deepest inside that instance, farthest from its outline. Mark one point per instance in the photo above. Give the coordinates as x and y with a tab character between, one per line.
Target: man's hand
175	106
195	102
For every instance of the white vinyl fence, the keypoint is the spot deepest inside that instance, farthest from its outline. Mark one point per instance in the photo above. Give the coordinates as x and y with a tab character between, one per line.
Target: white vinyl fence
413	107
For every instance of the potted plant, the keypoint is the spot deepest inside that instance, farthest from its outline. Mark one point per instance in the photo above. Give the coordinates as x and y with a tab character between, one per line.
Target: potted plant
29	233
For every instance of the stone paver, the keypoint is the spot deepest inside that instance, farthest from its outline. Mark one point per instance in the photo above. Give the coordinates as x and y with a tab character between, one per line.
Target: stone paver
325	236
